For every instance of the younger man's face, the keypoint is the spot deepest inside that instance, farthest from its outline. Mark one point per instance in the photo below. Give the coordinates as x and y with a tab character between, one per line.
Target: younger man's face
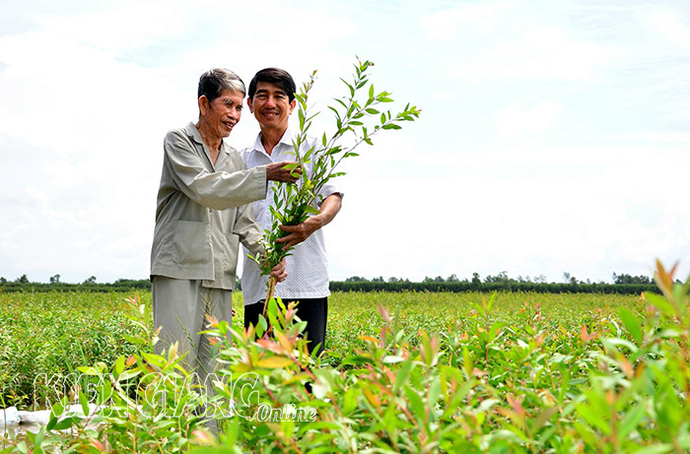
271	105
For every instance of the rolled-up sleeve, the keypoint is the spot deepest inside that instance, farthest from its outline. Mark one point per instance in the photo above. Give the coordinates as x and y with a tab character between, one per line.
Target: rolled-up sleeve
327	190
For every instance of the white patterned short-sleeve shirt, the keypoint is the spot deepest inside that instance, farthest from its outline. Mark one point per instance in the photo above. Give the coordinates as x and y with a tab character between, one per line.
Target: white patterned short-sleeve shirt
307	267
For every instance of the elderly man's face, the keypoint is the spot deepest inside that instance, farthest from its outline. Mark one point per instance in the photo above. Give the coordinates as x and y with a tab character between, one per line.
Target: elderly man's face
270	105
223	113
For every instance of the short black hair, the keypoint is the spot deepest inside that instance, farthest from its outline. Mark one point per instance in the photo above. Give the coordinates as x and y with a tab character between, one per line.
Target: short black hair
278	77
214	81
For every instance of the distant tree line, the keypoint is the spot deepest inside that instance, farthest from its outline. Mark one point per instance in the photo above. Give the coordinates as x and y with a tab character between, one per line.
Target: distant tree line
628	279
622	283
22	284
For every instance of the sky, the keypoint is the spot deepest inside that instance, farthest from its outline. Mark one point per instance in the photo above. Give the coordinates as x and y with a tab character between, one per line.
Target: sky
554	137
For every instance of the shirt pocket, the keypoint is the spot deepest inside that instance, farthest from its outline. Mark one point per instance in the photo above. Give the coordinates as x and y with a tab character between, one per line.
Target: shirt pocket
192	243
231	250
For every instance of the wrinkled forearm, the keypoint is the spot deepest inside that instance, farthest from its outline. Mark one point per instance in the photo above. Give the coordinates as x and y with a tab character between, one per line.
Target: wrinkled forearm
329	209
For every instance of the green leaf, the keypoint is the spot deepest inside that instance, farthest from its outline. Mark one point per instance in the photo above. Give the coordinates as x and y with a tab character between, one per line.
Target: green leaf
615	342
337	114
300	114
487	404
153	359
67	423
594	418
52	421
467	362
126	375
119	365
544	416
88	370
392	359
83	401
38	441
631	420
662	304
105	392
434	391
350	400
655	449
631	324
416	403
352	89
134	339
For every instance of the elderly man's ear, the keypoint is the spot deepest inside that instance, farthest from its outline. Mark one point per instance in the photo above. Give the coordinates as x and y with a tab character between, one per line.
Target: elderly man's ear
203	104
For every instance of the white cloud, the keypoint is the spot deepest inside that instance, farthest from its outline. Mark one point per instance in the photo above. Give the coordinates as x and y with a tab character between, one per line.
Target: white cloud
518	119
590	212
669	24
551	138
510	40
446	25
81	87
120	27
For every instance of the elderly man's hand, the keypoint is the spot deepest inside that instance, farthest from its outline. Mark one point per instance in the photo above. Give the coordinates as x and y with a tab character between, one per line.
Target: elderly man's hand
279	271
278	172
300	232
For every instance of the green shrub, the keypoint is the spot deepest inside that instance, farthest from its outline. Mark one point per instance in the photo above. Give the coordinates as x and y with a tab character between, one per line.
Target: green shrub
44	337
611	379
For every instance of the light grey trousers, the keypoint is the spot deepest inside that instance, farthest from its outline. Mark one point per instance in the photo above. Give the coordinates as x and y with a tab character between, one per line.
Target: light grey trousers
180	307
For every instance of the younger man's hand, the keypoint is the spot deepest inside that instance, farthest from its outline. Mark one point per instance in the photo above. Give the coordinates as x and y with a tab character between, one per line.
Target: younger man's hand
279	271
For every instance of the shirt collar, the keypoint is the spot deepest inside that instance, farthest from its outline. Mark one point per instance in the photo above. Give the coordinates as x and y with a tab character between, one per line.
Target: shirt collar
192	132
285	140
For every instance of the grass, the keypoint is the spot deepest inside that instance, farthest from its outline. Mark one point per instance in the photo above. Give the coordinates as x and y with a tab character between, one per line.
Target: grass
44	335
419	372
354	314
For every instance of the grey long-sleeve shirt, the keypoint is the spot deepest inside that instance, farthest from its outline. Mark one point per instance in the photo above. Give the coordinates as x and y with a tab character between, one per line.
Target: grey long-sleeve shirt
203	211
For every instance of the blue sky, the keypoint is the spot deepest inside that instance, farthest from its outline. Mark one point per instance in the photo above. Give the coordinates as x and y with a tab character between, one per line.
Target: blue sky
554	136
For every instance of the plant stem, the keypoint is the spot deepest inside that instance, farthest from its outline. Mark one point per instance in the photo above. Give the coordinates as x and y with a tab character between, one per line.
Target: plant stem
269	293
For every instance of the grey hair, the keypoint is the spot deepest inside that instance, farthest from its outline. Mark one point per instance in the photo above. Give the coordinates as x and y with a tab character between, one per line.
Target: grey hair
214	81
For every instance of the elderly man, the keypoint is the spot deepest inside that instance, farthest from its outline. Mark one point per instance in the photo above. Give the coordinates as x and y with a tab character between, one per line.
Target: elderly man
201	216
272	99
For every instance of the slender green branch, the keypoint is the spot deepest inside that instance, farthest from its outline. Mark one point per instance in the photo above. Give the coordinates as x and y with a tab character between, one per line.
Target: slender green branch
292	204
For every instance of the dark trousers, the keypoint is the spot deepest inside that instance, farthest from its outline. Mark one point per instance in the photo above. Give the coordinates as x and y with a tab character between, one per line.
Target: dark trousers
314	311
